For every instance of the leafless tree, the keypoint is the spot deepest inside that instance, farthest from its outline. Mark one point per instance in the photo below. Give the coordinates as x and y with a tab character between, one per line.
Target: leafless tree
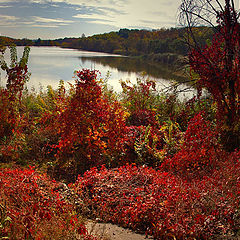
196	13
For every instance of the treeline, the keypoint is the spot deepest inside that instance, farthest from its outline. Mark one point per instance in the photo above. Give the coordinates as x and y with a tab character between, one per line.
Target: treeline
134	42
138	42
128	42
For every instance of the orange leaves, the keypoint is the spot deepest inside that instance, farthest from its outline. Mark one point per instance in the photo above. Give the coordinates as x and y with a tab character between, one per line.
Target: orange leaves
88	124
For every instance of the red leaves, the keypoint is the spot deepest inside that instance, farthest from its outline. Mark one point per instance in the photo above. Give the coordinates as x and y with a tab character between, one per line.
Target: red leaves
200	151
82	230
162	204
217	68
35	207
12	119
89	127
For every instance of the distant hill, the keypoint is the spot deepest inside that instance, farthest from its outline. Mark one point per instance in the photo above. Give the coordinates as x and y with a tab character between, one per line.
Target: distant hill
156	45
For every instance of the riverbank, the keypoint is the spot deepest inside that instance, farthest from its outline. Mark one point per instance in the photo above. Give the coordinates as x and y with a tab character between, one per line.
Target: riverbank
155	58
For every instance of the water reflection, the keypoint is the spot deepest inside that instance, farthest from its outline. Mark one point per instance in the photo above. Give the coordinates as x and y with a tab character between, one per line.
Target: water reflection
48	65
133	65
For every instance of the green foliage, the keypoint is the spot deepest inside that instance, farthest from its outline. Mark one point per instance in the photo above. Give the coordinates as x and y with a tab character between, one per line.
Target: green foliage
17	72
139	96
12	138
5	221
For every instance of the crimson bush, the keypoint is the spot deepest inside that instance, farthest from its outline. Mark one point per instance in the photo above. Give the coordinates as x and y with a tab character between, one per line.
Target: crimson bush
200	151
163	205
31	207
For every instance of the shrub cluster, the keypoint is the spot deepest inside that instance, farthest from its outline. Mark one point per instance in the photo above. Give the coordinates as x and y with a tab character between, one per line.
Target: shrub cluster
200	152
184	183
32	207
162	204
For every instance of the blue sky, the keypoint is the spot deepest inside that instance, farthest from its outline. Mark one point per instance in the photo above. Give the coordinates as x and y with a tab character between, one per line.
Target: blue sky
50	19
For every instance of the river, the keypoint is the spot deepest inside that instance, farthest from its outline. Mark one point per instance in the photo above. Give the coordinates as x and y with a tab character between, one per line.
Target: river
48	65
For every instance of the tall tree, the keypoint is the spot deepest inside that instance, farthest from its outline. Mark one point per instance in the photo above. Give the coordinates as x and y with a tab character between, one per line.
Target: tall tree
217	64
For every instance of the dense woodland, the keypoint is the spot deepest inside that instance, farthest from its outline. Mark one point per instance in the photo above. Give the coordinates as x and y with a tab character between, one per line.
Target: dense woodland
164	45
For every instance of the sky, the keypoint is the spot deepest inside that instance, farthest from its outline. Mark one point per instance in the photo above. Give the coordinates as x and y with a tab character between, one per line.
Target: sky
51	19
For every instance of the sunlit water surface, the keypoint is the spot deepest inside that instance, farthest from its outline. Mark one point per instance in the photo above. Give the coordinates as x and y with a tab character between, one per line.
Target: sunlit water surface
49	65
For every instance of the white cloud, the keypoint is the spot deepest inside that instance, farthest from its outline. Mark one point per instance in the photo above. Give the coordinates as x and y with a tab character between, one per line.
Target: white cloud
42	22
92	16
94	3
95	16
138	13
8	21
119	13
102	22
8	18
44	26
51	20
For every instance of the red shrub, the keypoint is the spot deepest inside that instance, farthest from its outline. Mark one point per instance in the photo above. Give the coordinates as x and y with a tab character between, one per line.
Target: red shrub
163	205
12	119
200	152
34	208
89	126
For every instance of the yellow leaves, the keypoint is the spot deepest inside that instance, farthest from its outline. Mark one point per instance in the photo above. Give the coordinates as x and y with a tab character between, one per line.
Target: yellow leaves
50	92
171	236
41	101
126	114
169	129
160	155
118	111
164	203
95	136
104	145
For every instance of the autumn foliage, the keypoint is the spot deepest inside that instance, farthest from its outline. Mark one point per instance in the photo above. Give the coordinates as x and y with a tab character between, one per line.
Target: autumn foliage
32	207
89	126
142	160
163	205
200	153
217	68
12	119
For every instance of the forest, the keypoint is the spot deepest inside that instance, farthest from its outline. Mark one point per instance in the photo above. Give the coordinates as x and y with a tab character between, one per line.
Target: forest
164	45
140	159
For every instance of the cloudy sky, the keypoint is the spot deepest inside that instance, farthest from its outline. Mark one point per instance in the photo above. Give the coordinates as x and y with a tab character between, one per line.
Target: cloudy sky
50	19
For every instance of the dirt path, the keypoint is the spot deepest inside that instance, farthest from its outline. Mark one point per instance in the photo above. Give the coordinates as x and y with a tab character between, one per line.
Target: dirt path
113	232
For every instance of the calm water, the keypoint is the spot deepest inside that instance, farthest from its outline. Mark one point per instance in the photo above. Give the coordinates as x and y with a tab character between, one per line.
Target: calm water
48	65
